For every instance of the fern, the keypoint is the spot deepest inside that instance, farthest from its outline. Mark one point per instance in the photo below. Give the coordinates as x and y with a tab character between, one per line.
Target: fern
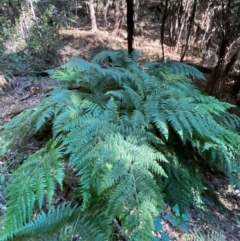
34	180
199	236
132	134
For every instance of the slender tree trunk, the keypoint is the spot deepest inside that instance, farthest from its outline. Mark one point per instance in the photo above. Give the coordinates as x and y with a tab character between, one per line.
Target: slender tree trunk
176	14
32	9
207	22
92	16
191	21
130	25
136	8
171	30
117	17
164	17
184	18
105	10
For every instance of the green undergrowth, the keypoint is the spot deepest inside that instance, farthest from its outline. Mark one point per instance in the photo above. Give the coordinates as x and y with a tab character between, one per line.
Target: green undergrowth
135	137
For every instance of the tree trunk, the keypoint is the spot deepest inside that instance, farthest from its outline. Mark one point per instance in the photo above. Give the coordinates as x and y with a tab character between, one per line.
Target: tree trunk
32	9
176	15
136	8
207	22
236	88
105	10
184	18
164	17
231	61
117	17
92	16
216	74
130	25
191	21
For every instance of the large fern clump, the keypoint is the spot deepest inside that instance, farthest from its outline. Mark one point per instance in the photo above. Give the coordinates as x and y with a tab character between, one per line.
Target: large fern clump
134	137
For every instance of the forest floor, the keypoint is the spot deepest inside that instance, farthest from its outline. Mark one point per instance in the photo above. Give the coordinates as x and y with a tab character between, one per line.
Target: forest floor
24	92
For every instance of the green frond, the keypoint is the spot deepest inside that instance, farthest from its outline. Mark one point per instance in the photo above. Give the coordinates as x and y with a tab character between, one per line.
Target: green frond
104	55
179	187
46	224
184	69
133	96
174	67
200	236
16	130
132	134
31	183
78	64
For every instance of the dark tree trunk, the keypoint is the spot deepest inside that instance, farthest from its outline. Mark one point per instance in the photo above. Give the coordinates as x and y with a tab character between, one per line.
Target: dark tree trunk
175	14
164	17
191	21
231	61
236	89
130	25
227	23
217	71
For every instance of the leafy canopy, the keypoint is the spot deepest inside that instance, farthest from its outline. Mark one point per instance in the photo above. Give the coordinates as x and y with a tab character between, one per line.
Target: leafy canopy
135	136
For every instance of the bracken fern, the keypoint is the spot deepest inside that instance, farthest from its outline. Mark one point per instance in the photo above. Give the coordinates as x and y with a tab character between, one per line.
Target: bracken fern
133	134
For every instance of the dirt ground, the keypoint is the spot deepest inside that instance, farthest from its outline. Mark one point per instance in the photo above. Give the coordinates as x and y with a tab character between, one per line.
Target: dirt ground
18	93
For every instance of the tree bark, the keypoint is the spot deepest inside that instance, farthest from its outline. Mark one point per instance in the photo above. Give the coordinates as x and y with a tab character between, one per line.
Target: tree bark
216	74
92	16
105	10
175	14
191	21
236	89
117	17
130	25
184	18
163	28
136	8
231	61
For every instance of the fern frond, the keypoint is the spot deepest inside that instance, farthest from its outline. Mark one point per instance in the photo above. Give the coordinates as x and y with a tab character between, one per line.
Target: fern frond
179	187
130	133
200	236
48	223
9	136
34	180
102	56
184	69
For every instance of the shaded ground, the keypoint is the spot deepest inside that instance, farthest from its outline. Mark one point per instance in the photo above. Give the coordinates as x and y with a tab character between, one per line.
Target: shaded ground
19	93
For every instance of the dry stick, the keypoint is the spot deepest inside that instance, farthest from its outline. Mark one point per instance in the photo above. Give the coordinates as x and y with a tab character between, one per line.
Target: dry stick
118	227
